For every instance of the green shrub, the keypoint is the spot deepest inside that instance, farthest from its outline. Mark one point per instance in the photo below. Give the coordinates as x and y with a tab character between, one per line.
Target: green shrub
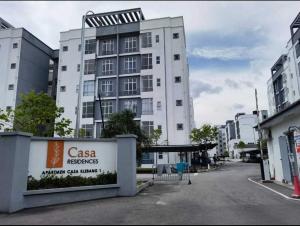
52	181
144	171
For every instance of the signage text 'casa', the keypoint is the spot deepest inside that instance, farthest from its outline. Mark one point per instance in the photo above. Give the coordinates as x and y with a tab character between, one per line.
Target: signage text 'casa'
73	152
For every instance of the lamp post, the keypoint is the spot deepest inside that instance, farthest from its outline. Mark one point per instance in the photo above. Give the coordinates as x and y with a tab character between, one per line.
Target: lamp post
78	112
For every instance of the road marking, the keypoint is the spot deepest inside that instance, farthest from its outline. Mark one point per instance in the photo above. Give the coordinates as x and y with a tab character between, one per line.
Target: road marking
278	193
161	203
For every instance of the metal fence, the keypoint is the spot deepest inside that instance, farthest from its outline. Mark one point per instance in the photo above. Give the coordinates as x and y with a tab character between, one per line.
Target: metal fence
171	172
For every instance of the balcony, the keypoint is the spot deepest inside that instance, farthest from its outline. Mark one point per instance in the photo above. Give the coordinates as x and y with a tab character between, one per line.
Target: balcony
107	94
105	53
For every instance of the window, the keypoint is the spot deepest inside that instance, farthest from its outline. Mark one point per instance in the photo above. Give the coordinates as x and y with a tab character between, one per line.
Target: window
65	48
89	67
8	108
148	127
147	106
297	47
90	46
178	102
175	35
11	87
131	105
130	65
176	57
130	86
79	47
63	89
159	105
64	68
147	82
159	127
88	88
88	130
107	108
146	40
158	60
106	87
107	67
107	47
158	82
88	110
179	126
147	61
130	44
157	38
160	155
15	45
177	79
78	67
13	66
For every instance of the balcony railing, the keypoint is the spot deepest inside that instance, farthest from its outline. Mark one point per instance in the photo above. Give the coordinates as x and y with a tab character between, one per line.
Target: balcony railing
107	94
129	93
104	53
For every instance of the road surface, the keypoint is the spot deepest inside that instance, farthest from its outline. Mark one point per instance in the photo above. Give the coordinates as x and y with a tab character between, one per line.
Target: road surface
220	197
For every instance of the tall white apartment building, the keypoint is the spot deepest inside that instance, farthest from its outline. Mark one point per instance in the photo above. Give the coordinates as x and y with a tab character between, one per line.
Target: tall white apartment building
24	65
134	64
221	141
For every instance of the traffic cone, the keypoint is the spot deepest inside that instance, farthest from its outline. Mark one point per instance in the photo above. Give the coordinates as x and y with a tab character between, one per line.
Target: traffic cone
296	187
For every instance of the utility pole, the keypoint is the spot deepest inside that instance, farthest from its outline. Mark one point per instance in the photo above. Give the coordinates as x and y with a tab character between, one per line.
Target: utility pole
260	139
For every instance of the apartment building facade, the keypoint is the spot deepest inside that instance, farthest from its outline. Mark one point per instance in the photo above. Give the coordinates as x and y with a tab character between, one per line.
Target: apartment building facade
24	65
284	104
131	63
221	147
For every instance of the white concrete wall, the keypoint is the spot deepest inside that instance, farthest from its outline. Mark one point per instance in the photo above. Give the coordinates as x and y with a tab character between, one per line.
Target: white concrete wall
8	76
274	148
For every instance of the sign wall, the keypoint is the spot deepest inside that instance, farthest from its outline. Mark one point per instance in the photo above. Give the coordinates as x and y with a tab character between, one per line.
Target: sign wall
74	158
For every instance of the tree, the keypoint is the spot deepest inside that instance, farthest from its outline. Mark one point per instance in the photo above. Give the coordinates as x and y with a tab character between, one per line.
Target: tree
155	136
241	145
123	123
204	135
4	119
38	114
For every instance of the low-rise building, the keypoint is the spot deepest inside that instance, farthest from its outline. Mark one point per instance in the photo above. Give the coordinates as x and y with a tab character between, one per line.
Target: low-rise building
284	104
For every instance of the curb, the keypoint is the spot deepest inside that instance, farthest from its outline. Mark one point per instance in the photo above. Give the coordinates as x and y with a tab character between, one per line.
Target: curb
274	191
144	186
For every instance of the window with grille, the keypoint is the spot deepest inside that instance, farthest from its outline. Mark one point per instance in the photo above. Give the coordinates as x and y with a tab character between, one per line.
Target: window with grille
78	67
147	82
177	79
158	82
87	130
157	38
13	66
179	126
107	108
90	46
88	88
147	61
88	110
159	105
107	67
146	40
15	45
130	86
11	87
176	57
130	44
178	102
147	106
106	88
130	65
64	68
89	67
175	35
158	60
107	47
148	127
65	48
131	105
63	89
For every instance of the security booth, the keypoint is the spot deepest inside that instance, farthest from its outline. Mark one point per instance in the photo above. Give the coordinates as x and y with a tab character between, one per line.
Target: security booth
181	159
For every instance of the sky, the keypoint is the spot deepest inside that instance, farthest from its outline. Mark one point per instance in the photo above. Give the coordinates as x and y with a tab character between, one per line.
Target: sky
231	46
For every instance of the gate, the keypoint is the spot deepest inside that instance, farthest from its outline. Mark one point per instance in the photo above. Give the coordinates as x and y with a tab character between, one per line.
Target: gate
171	172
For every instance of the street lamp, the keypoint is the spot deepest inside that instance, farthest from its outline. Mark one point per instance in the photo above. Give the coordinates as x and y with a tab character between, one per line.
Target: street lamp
81	72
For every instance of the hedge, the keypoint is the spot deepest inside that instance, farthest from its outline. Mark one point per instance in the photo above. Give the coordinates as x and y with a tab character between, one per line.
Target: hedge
144	171
52	181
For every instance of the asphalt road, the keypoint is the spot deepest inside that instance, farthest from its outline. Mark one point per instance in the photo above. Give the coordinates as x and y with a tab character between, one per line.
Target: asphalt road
220	197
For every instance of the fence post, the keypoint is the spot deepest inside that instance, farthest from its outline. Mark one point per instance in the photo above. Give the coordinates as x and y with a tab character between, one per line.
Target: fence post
14	152
126	165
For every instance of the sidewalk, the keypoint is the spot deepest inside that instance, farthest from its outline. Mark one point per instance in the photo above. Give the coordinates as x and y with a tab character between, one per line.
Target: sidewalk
283	190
